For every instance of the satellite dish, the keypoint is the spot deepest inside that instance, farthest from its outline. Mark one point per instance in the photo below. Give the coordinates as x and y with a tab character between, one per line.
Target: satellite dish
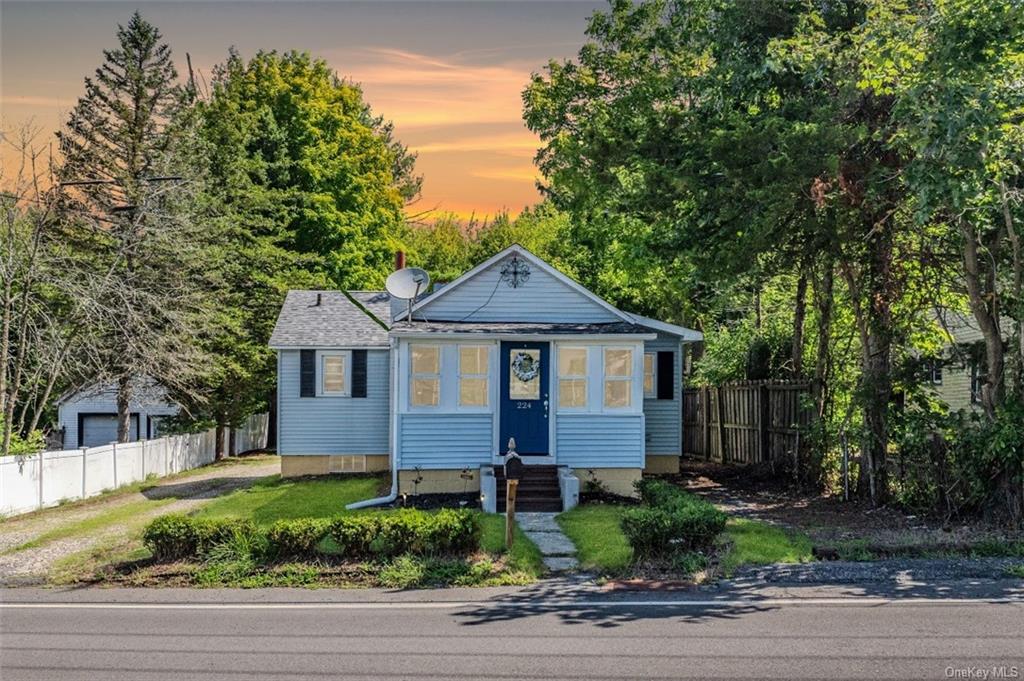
407	283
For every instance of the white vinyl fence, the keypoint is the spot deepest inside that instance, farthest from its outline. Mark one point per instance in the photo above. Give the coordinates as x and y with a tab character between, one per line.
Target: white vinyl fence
47	478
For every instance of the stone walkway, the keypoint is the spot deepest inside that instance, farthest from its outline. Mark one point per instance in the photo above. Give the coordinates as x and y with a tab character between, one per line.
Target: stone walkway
558	550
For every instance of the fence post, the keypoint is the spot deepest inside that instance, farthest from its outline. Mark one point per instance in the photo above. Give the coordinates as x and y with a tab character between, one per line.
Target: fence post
705	415
143	459
84	459
721	425
113	449
763	421
40	478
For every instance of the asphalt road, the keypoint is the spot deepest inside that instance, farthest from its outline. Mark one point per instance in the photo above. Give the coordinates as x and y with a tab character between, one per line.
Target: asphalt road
269	635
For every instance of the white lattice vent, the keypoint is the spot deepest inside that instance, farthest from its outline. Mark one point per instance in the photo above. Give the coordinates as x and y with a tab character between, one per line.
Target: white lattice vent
348	464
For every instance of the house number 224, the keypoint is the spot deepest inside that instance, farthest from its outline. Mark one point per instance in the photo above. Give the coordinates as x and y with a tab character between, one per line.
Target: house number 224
524	405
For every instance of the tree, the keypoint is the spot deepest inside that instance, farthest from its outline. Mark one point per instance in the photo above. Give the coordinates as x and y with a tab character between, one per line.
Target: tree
135	210
310	164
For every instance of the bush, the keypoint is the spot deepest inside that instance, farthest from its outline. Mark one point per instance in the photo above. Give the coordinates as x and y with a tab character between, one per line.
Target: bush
672	521
407	531
296	538
177	536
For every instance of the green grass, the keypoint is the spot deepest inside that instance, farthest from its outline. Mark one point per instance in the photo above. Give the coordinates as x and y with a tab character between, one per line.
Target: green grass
752	542
524	558
1015	571
600	543
274	498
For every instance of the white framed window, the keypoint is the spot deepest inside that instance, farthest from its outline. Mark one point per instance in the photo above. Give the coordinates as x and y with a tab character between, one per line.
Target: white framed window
474	369
425	370
650	374
335	367
618	378
572	378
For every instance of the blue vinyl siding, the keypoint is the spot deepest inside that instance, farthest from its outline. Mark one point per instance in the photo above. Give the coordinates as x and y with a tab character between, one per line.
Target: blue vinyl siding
445	440
543	298
333	425
664	417
600	440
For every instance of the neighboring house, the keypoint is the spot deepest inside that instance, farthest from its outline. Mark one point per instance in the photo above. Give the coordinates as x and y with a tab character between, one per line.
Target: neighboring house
88	417
511	349
959	379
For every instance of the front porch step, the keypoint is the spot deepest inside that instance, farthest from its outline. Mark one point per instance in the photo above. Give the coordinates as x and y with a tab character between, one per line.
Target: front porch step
538	490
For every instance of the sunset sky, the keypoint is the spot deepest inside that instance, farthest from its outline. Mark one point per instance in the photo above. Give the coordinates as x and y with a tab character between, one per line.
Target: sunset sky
449	74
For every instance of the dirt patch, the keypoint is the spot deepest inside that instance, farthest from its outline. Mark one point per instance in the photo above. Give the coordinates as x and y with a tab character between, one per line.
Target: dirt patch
829	521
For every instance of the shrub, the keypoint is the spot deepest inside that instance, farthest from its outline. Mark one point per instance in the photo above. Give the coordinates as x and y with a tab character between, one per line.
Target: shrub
672	521
296	538
407	531
176	536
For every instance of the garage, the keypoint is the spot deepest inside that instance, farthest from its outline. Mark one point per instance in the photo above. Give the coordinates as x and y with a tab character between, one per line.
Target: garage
101	429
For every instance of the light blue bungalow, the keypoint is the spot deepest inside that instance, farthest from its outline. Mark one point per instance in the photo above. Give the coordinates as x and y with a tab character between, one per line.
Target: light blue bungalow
435	390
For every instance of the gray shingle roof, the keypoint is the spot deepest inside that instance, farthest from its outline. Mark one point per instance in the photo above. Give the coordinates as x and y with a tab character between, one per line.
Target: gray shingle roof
524	327
336	322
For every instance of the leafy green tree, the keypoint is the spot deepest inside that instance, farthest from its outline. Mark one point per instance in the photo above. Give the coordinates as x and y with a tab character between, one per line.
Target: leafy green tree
319	172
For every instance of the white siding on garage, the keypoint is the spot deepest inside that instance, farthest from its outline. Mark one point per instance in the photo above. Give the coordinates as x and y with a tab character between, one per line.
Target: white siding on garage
333	424
102	400
445	441
664	417
542	298
600	440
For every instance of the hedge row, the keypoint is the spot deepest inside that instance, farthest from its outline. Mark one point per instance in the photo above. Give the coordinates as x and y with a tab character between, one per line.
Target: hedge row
369	535
670	521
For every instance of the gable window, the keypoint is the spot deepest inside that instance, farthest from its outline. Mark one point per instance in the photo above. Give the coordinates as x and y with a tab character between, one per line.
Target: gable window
425	387
572	378
618	378
650	374
334	368
473	371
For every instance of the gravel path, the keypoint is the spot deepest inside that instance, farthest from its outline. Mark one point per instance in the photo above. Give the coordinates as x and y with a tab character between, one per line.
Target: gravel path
901	571
32	564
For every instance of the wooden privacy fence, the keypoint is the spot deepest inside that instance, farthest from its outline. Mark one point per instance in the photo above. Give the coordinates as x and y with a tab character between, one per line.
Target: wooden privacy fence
747	422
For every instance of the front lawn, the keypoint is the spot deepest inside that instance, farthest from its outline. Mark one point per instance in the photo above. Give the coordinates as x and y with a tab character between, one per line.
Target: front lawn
244	562
596	531
276	498
752	542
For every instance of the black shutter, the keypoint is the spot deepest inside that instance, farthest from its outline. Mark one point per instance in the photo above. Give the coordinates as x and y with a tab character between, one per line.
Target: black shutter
359	373
307	373
666	375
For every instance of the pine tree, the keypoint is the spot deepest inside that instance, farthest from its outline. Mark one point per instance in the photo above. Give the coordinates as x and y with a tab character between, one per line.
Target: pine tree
138	228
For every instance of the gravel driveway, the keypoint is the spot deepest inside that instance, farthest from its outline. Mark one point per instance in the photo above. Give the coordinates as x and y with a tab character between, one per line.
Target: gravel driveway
31	565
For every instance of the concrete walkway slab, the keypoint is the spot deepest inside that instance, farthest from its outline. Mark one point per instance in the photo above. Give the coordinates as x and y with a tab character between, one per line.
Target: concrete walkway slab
558	551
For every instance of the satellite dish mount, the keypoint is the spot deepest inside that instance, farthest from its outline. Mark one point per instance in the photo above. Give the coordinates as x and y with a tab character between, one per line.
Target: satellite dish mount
407	284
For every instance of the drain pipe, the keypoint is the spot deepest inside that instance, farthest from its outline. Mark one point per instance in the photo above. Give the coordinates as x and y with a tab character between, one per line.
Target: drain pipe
393	494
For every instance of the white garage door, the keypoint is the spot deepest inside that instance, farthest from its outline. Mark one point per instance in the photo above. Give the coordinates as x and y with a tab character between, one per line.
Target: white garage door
101	429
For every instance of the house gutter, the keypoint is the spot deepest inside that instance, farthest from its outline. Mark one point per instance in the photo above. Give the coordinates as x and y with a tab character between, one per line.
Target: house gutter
393	494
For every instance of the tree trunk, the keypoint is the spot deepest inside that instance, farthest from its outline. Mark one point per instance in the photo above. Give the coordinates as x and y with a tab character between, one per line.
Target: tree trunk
1018	285
981	296
823	302
232	444
798	325
219	450
124	416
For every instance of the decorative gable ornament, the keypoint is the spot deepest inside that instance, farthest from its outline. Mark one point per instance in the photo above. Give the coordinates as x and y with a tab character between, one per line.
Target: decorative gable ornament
515	272
525	367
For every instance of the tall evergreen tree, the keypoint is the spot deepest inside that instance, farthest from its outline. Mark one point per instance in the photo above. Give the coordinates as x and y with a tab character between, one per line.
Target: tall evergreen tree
138	232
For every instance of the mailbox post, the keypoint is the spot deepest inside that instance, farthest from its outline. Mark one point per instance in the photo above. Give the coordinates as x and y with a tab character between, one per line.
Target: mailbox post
513	471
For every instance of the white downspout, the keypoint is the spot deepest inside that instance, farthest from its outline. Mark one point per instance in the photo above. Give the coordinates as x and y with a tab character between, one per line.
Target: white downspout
393	403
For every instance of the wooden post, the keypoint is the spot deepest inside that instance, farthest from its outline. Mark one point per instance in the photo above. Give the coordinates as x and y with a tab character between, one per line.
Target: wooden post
113	449
721	425
763	422
510	512
705	414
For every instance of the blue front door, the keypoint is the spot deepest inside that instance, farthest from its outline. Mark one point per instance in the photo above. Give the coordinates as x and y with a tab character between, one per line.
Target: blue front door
524	397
